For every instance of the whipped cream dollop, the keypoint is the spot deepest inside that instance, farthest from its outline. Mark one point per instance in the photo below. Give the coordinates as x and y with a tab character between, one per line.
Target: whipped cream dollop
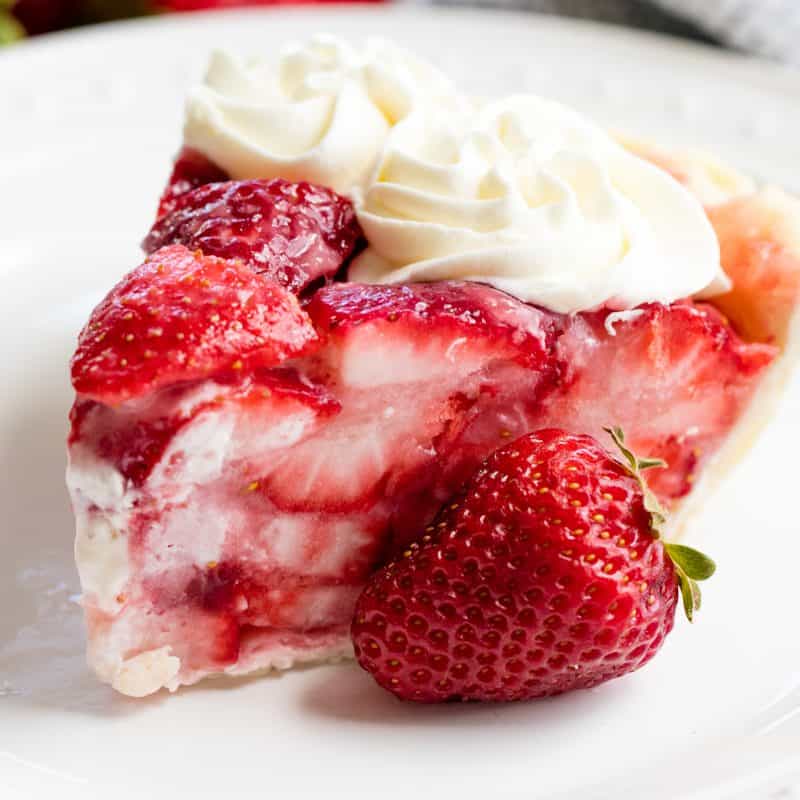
321	114
522	193
534	199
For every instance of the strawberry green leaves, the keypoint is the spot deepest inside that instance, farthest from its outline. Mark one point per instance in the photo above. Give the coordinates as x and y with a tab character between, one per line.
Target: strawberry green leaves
636	465
690	564
10	28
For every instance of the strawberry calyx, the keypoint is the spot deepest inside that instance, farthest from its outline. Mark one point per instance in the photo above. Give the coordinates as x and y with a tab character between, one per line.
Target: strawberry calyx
636	466
691	565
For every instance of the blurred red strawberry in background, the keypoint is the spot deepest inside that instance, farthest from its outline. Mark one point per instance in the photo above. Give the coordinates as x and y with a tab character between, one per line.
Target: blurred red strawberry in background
18	17
43	16
40	16
198	5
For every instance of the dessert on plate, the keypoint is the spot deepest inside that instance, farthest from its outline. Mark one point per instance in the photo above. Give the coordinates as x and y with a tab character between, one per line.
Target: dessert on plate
359	285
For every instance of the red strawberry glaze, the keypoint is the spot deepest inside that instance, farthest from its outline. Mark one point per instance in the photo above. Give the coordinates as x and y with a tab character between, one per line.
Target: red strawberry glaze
191	169
676	377
294	233
264	514
184	316
134	439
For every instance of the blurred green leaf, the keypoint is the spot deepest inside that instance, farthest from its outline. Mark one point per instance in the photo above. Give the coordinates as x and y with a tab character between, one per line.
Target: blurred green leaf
10	29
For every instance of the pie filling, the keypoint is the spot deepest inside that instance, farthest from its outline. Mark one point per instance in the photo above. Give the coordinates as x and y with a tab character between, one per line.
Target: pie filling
227	522
254	506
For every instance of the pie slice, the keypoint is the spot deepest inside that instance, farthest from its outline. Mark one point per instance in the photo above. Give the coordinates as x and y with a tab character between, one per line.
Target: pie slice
253	434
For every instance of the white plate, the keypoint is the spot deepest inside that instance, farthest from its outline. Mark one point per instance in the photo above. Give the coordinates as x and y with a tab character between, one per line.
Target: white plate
88	123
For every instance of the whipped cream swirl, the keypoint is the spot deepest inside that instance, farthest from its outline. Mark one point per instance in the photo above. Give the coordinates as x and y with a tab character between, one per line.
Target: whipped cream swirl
322	114
534	199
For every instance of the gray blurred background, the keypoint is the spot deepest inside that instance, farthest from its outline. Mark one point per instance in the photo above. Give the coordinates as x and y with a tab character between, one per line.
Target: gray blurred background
768	28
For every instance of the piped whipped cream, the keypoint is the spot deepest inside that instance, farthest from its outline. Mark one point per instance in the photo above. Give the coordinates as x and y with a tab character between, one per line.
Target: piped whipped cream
522	193
322	114
536	200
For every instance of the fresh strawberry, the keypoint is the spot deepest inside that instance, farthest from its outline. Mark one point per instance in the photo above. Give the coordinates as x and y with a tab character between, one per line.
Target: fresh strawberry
191	169
182	316
294	233
677	376
545	574
408	363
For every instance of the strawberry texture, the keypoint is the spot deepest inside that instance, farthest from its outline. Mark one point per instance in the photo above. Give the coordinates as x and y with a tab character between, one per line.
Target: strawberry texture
190	170
293	233
407	363
270	454
264	497
677	377
542	576
183	316
136	443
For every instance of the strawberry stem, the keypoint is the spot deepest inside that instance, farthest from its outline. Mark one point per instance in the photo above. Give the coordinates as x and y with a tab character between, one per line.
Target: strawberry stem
690	565
636	466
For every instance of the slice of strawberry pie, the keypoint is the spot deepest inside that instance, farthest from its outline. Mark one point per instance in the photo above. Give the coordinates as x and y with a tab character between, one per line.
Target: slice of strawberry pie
289	387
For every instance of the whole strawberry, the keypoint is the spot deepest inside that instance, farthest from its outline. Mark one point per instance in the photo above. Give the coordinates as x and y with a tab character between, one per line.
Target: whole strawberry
545	574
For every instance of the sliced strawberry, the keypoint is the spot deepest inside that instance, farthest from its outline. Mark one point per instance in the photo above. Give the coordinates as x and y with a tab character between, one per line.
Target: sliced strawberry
294	233
191	169
407	363
264	404
676	378
451	320
181	316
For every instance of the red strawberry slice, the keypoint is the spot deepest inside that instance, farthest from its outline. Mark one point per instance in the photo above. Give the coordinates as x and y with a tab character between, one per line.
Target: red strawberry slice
182	316
545	574
138	442
446	324
294	233
676	376
191	169
407	363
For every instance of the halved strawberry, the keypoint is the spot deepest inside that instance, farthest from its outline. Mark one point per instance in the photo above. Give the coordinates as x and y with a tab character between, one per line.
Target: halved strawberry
442	324
191	169
294	233
261	408
182	316
677	377
407	363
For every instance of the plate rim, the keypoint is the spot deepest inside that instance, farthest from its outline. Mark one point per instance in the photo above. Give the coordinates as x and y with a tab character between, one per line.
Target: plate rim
766	70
